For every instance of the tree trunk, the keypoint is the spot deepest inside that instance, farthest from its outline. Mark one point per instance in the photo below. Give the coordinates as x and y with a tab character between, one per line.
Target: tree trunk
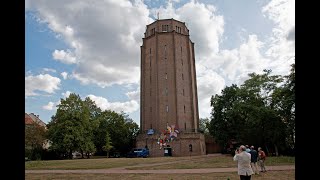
267	150
82	157
293	140
276	149
70	154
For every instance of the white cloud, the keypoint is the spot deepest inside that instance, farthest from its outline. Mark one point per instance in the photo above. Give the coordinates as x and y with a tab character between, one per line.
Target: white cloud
49	106
104	104
104	37
98	73
282	43
41	82
66	94
209	83
281	12
49	70
64	75
64	57
225	68
134	95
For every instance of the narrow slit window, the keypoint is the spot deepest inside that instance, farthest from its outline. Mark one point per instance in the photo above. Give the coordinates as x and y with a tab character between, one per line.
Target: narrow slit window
150	57
166	75
185	126
184	109
165	51
182	77
167	108
183	92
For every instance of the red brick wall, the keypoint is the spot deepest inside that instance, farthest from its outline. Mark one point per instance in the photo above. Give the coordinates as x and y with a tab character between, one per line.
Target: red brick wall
180	146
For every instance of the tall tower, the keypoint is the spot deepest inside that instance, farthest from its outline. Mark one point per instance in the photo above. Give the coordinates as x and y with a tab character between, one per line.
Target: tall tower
168	84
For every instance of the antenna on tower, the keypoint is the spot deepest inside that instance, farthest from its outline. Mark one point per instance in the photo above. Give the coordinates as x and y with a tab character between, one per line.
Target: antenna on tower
158	15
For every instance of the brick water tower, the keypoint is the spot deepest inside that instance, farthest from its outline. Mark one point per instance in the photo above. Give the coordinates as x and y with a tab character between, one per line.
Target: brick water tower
169	117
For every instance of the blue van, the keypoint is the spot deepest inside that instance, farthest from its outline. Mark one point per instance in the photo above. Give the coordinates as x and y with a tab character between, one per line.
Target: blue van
138	152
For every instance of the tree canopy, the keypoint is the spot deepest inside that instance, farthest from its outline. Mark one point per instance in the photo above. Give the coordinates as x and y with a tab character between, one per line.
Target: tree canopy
79	125
260	112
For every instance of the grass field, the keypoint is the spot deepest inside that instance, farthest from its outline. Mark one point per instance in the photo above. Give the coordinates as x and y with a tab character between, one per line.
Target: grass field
150	163
157	163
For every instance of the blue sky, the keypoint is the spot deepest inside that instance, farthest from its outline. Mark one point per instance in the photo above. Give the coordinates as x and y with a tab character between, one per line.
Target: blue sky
92	48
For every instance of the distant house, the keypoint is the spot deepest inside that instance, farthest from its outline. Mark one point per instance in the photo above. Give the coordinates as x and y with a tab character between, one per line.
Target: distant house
30	119
37	120
27	119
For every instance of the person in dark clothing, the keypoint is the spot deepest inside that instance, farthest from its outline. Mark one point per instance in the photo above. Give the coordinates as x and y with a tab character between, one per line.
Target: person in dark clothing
254	157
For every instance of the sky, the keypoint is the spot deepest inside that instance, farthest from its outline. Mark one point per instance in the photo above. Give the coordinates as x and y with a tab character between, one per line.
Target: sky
92	47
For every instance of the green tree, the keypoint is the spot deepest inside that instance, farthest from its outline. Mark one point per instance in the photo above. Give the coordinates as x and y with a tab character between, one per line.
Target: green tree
70	129
35	137
120	127
108	146
284	103
204	124
89	122
247	114
223	125
262	117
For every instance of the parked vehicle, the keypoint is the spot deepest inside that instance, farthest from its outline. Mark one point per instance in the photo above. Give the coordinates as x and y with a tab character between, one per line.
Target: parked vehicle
138	152
231	146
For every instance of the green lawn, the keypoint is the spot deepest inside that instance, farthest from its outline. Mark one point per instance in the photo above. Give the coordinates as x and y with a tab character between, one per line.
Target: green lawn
150	163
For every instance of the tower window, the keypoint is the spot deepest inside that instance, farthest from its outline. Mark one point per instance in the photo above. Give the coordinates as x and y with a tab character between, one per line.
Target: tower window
167	108
165	28
183	92
166	75
166	91
153	31
182	77
185	126
178	29
150	50
184	109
